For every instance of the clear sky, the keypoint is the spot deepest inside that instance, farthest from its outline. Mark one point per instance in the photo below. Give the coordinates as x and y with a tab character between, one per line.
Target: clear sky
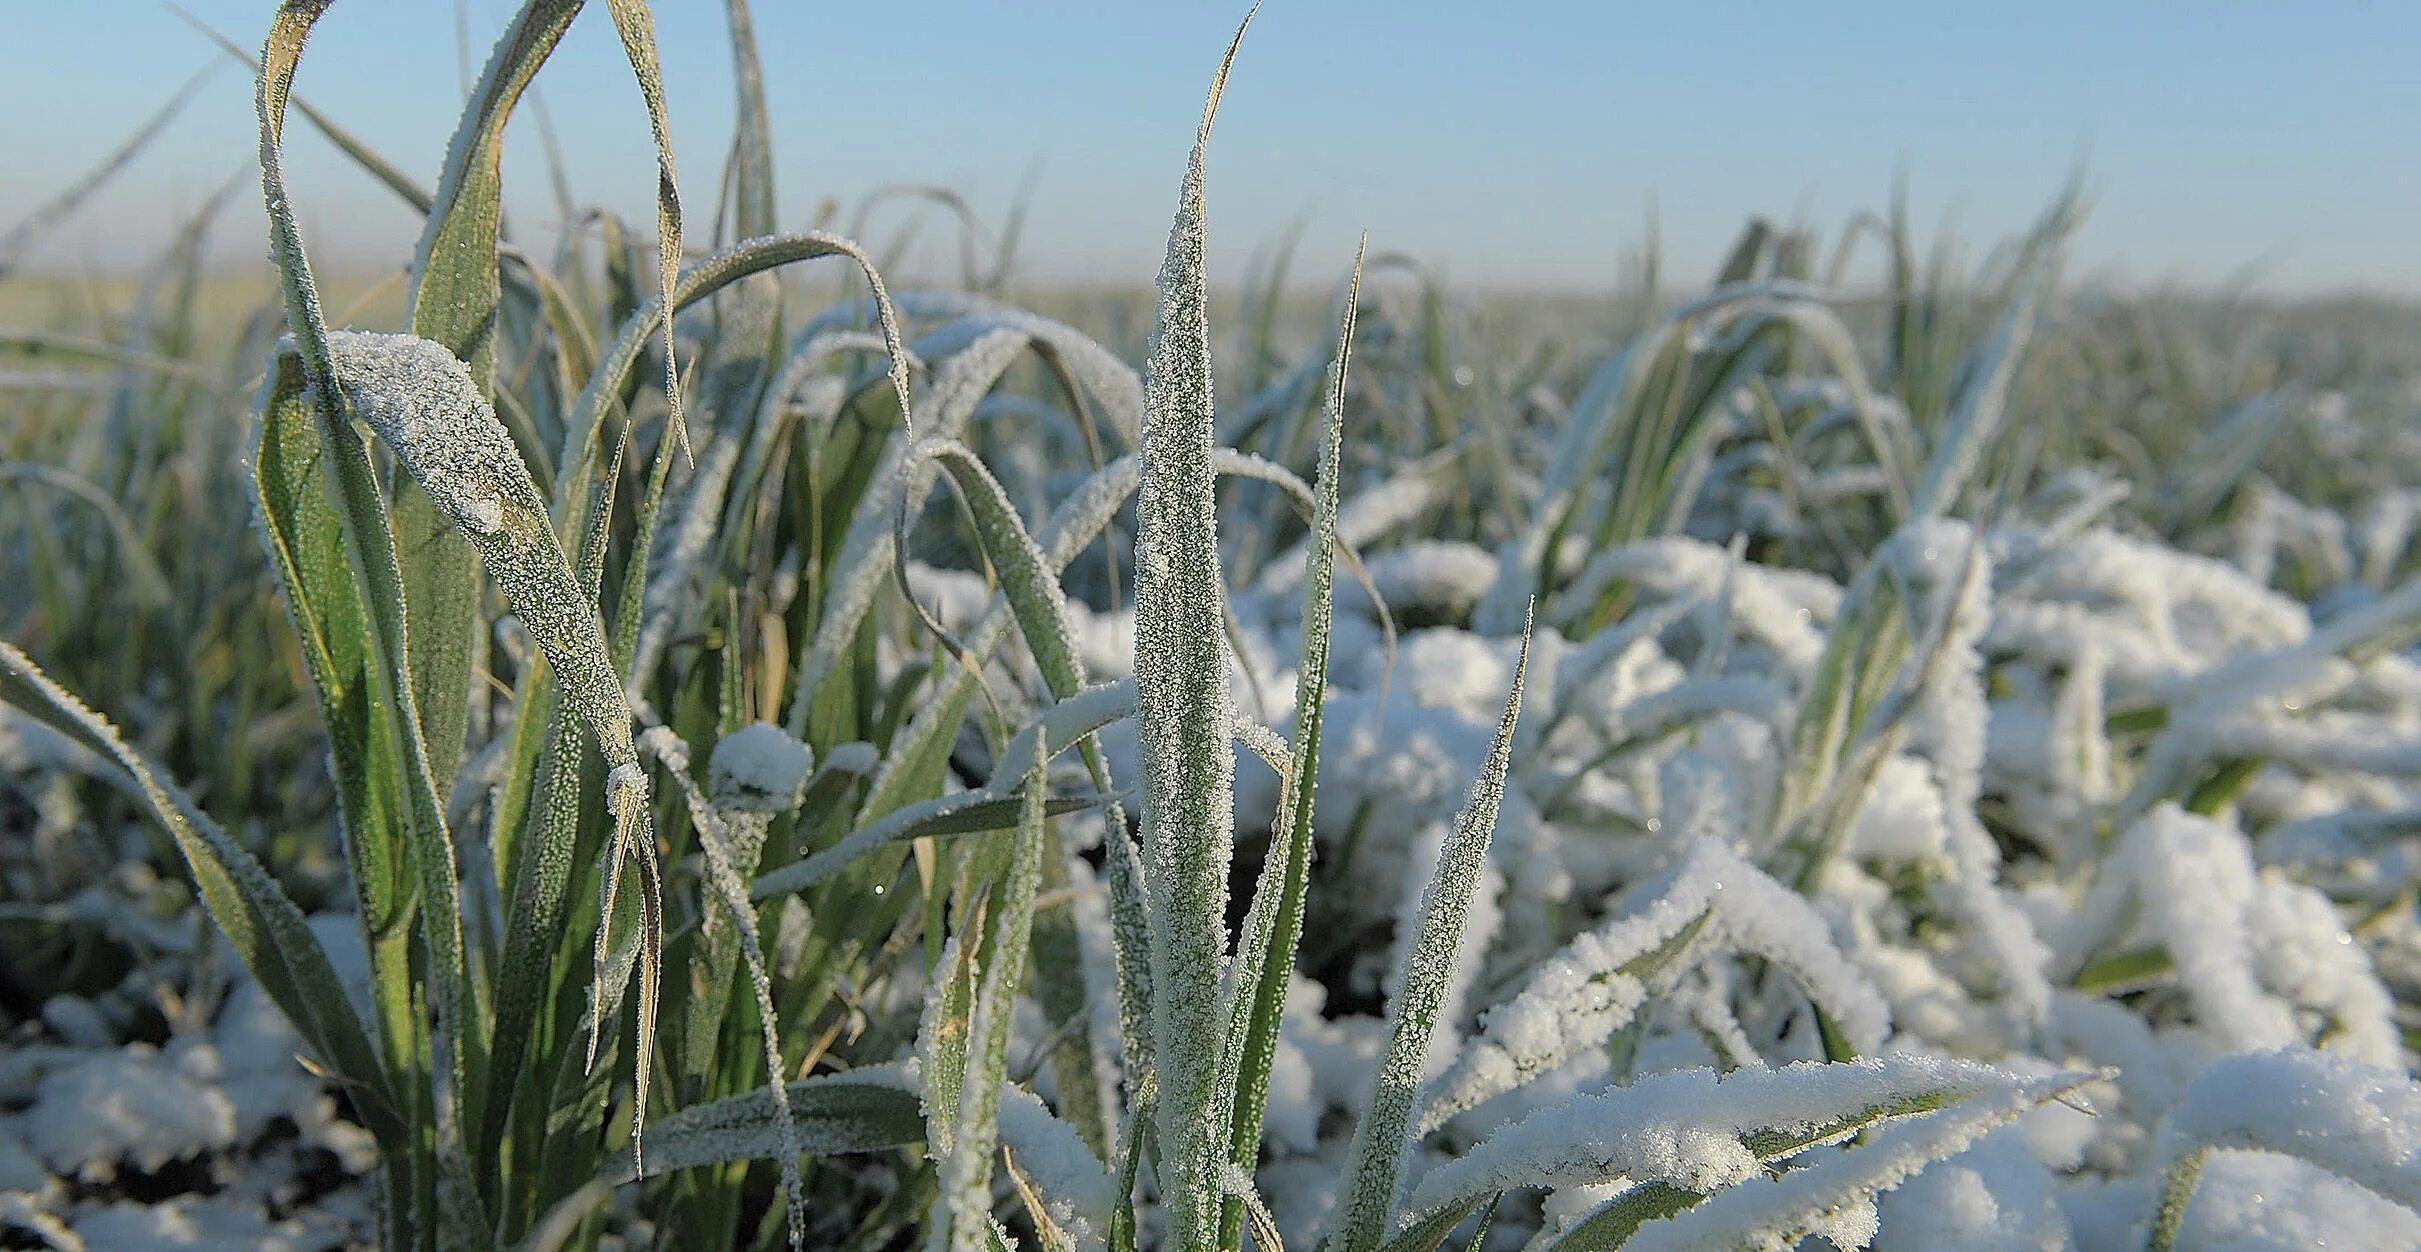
1513	142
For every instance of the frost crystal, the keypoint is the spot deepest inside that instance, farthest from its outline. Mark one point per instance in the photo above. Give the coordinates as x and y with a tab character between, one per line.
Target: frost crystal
419	397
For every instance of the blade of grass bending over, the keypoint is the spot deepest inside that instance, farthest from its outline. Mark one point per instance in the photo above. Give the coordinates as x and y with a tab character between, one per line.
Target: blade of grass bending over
1181	686
1052	732
1081	515
370	548
1273	930
1424	965
862	1110
576	464
637	26
266	929
900	486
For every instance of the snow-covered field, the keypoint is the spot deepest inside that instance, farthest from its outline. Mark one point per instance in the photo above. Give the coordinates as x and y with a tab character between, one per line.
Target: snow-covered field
1933	765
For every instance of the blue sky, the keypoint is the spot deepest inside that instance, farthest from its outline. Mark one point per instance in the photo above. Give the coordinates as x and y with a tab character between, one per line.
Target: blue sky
1515	143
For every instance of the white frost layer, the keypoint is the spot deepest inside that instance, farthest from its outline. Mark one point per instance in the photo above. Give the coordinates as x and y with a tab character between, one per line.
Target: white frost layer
197	1224
1685	1127
136	1105
413	392
1825	1197
758	768
2264	1202
2358	1121
1994	1197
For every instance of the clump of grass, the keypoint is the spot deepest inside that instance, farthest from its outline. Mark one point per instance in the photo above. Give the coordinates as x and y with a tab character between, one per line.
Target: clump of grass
1793	693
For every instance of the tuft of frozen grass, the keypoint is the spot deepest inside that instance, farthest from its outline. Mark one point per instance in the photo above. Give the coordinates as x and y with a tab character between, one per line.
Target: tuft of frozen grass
1818	762
1575	999
2251	952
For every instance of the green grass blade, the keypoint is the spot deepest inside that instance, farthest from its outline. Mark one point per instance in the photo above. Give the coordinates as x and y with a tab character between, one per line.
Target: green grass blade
831	1114
1131	1146
370	551
1426	1234
731	833
960	812
1181	687
422	401
871	549
965	1204
1273	929
752	144
637	26
1034	595
1373	1172
305	536
457	301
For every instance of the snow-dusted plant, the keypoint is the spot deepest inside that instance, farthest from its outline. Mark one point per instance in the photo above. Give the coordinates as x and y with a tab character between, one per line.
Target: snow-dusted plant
1788	773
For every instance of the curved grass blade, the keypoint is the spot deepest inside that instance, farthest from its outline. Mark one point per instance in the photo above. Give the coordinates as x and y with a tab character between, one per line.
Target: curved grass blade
1058	728
899	488
1426	1234
1131	1146
268	932
578	465
637	26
